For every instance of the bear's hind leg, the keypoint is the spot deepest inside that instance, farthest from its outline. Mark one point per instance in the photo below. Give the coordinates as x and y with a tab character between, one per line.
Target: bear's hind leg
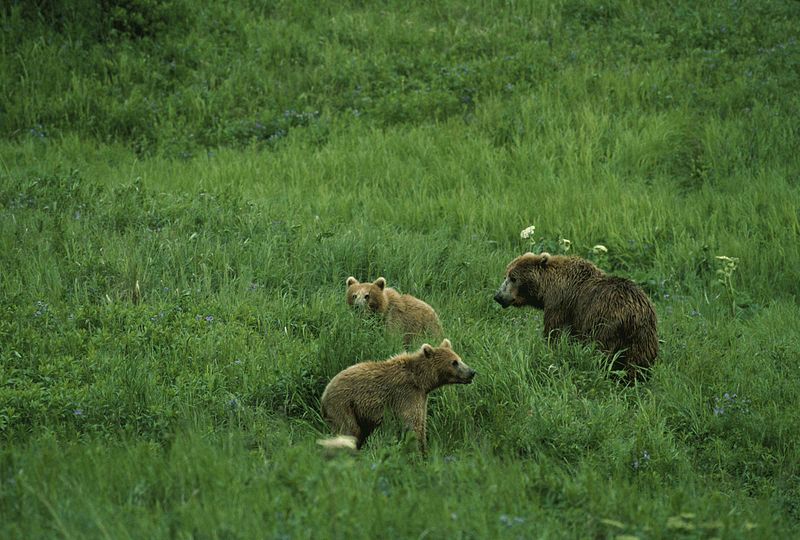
345	423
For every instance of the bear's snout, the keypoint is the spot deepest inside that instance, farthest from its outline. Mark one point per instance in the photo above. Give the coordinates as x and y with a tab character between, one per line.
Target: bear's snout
502	299
471	375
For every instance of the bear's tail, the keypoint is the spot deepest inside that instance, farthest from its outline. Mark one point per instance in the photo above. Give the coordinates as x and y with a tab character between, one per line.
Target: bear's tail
340	442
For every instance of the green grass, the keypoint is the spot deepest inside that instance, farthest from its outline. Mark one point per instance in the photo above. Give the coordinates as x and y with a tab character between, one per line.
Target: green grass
240	161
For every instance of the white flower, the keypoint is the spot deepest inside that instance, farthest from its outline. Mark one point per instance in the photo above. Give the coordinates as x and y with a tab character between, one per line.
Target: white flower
527	232
733	260
599	248
565	244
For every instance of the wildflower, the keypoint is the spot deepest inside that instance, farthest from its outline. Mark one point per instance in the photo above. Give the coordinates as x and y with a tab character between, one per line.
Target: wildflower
641	462
599	248
565	244
78	412
729	266
509	521
730	403
209	318
527	232
41	309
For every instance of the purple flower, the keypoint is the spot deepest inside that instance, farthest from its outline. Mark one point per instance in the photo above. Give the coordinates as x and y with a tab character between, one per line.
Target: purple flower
78	412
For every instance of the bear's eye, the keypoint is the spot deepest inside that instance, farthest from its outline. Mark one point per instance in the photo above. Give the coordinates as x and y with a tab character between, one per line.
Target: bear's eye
455	363
366	296
354	296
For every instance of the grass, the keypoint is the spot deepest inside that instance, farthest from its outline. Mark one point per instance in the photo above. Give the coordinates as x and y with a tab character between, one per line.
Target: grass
183	195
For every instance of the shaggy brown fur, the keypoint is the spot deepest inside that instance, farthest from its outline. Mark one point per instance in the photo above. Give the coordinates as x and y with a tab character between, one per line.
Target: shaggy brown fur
355	400
402	313
581	299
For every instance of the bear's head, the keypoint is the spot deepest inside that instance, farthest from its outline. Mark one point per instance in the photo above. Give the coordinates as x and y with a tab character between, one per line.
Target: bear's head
522	285
366	296
445	366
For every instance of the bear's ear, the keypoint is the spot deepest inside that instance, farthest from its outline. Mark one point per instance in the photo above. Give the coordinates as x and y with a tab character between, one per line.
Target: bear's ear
380	282
351	281
427	350
446	344
544	257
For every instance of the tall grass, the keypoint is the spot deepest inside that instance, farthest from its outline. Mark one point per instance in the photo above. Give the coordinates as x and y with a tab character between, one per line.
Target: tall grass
182	203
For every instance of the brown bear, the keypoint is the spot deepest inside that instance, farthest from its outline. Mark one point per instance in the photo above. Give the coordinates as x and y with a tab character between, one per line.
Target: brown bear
402	312
354	401
579	298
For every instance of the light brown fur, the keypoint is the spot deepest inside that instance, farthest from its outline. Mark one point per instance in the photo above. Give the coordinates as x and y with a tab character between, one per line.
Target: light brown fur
579	298
354	401
402	313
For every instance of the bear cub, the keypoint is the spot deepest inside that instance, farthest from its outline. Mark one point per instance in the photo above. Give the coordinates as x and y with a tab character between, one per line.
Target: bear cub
579	298
354	401
401	312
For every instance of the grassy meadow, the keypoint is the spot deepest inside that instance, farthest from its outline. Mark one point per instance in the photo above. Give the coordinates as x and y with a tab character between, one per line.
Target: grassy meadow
185	187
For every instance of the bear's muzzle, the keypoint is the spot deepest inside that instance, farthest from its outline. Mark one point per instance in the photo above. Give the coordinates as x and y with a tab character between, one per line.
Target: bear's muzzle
502	299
